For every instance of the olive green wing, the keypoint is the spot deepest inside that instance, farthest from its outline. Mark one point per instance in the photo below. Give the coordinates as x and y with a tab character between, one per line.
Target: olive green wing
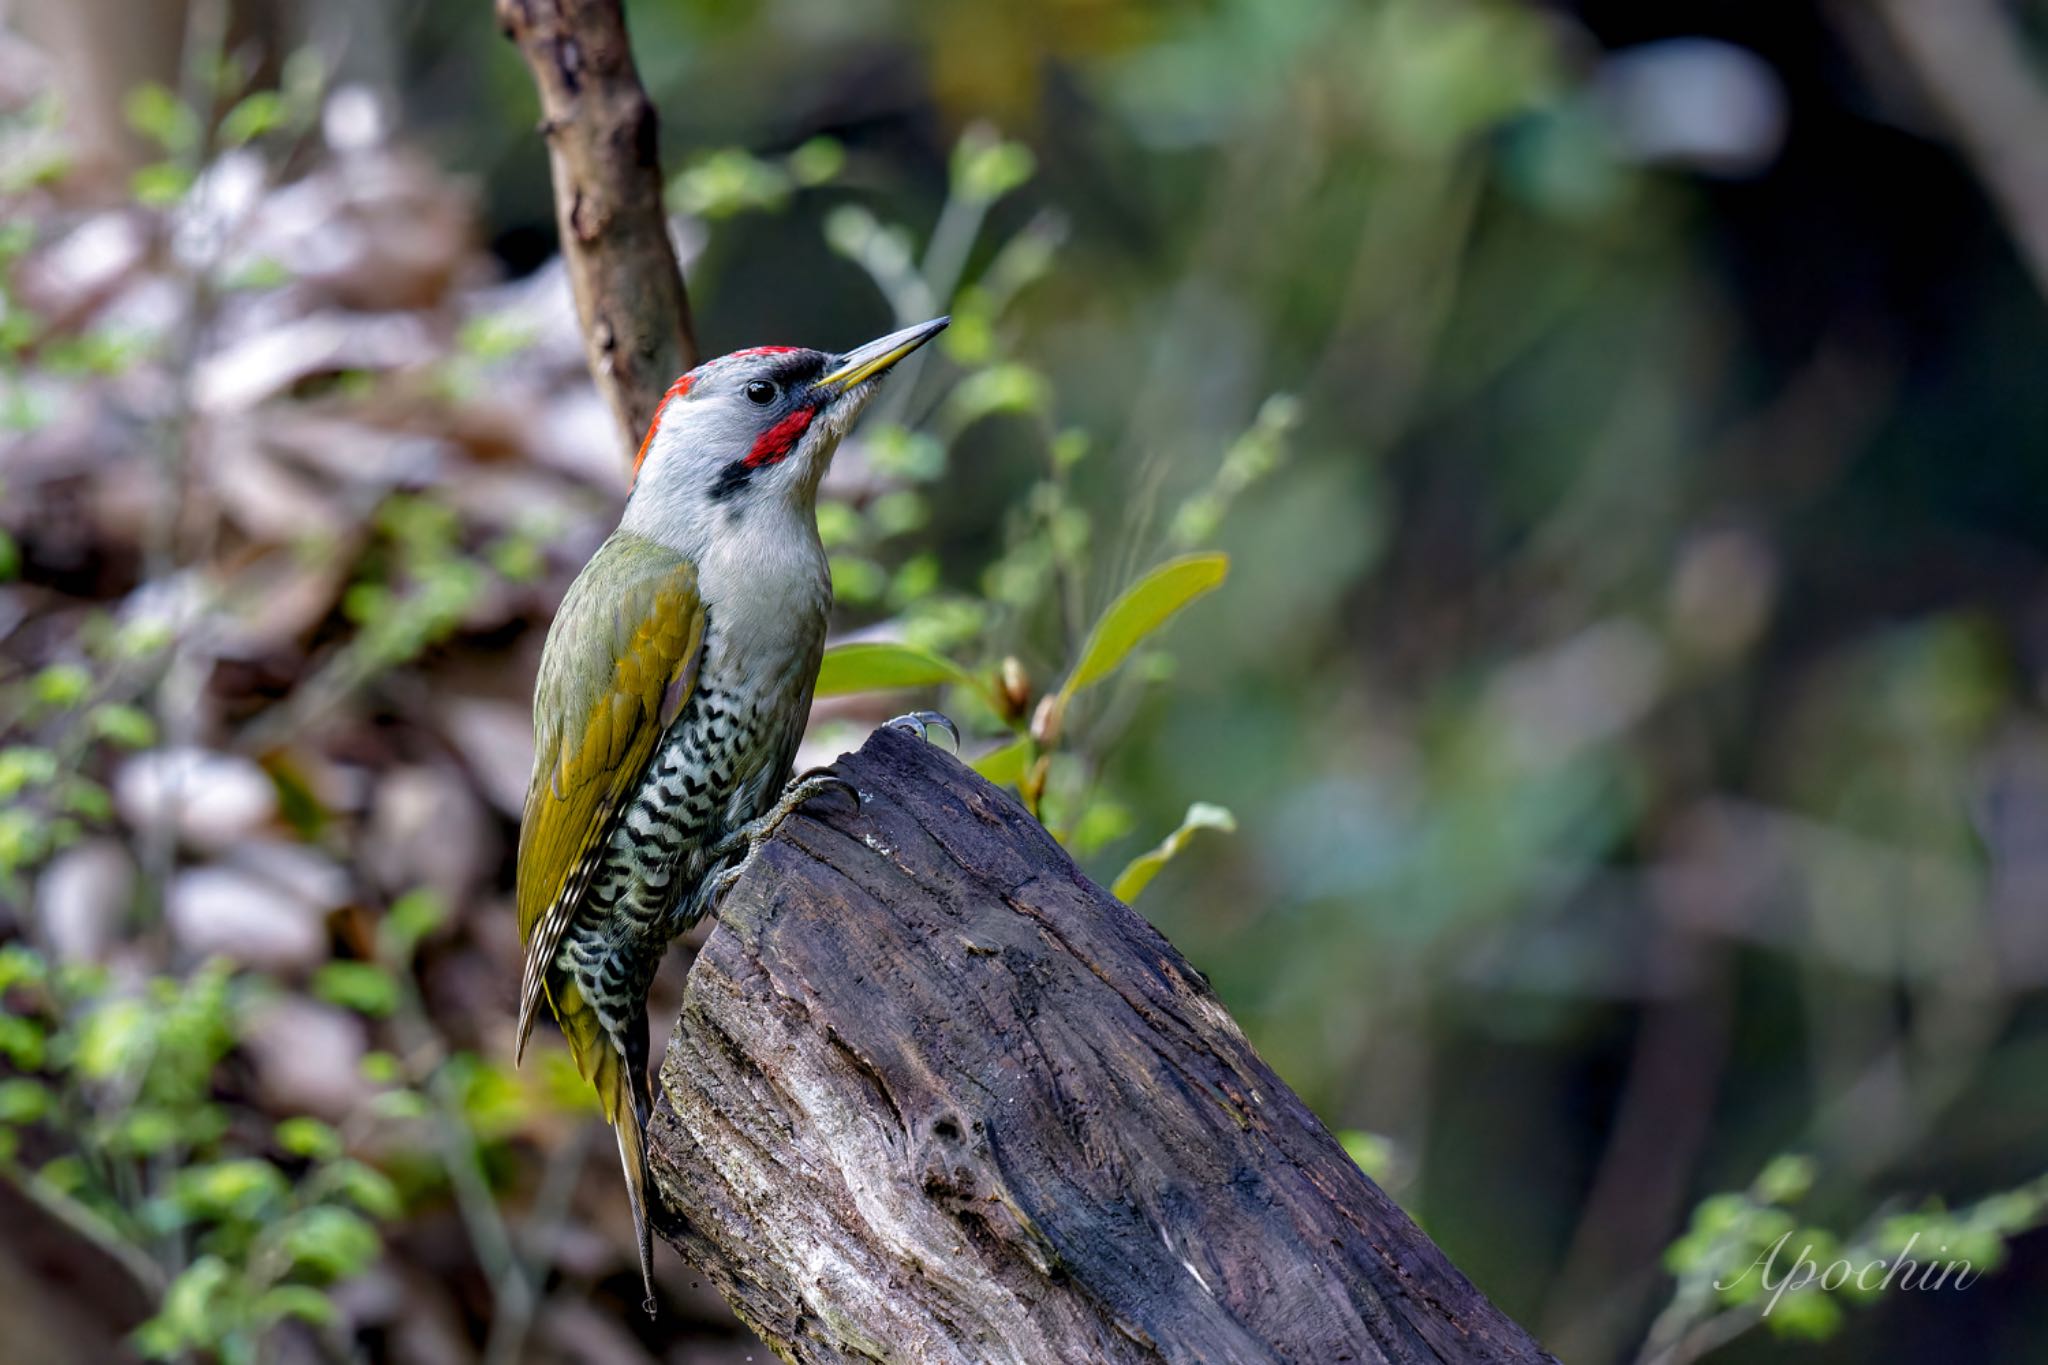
620	661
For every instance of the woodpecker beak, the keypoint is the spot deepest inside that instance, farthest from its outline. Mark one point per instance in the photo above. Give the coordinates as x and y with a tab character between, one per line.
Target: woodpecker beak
863	363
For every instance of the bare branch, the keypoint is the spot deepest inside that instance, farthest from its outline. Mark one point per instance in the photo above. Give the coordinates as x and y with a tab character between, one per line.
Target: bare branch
601	133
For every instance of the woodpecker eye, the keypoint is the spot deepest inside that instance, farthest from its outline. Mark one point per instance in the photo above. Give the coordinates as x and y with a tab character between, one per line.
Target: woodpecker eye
761	391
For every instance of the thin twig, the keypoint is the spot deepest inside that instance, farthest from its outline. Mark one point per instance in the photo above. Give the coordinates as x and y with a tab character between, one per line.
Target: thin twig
602	138
478	1207
550	1208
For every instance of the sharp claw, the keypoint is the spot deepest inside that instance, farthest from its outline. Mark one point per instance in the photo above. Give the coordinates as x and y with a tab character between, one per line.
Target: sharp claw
921	724
825	780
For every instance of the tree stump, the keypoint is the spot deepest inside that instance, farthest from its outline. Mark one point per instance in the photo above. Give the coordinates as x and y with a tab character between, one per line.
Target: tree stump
935	1096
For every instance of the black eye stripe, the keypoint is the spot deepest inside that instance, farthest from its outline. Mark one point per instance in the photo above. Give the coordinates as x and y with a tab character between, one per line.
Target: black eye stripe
799	369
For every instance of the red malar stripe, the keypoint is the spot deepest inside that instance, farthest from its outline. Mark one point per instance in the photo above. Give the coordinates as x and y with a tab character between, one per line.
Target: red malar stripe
776	442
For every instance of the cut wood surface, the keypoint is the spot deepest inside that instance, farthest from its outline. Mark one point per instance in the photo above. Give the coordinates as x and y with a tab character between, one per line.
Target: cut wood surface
935	1096
601	134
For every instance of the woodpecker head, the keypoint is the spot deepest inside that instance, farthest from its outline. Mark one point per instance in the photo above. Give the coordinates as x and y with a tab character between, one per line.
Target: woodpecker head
756	428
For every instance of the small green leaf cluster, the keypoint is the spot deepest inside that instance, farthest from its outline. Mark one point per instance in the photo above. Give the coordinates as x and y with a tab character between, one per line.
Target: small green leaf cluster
1748	1258
1721	1257
61	717
421	578
186	135
728	182
116	1120
967	641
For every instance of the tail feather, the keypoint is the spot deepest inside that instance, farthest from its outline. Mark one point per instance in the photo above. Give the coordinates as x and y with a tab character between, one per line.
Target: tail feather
622	1097
633	1157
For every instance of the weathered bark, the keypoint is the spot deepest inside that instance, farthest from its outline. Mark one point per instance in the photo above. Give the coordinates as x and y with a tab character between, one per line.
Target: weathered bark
934	1096
601	135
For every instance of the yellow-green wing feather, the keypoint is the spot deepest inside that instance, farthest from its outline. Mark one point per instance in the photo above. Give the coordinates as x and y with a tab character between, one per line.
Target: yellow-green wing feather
620	661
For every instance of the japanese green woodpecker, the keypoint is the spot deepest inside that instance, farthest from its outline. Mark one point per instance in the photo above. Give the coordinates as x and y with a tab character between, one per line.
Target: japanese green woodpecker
673	689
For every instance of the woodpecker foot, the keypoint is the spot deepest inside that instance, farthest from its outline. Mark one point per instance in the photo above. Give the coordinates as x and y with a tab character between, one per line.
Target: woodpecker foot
750	836
922	723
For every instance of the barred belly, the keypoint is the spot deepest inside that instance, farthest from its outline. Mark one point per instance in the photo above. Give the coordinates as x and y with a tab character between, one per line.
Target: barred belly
721	764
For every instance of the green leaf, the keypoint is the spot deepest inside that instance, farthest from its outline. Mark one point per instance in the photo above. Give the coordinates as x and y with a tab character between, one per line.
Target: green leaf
1005	766
1805	1314
302	1136
24	838
21	1041
495	336
191	1309
63	685
144	1131
999	388
24	766
261	272
838	525
363	987
1101	823
985	168
916	579
1373	1153
883	667
1133	880
727	182
493	1102
898	513
245	1188
857	580
23	1101
119	1035
1142	609
368	1188
160	184
21	965
64	1175
412	917
161	116
255	115
816	161
399	1104
84	797
128	726
330	1243
1785	1180
897	453
300	1301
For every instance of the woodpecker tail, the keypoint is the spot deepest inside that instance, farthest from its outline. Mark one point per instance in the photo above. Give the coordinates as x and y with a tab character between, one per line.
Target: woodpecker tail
633	1157
621	1084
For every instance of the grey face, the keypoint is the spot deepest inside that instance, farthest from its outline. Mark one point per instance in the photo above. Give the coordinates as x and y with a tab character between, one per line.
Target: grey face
762	423
774	393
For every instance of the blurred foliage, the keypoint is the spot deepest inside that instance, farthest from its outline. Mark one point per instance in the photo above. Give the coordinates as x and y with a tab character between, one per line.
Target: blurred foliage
122	1085
1042	570
1746	1260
